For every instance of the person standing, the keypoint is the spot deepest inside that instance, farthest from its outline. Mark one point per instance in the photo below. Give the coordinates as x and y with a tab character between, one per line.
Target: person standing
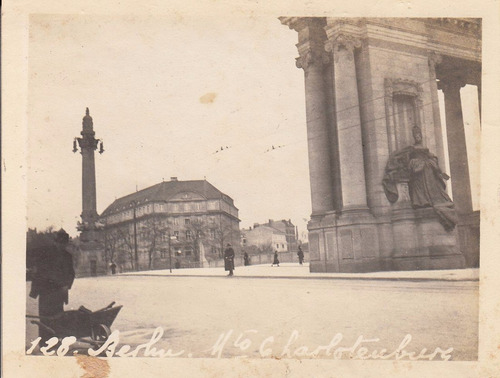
300	254
246	259
229	259
53	277
275	261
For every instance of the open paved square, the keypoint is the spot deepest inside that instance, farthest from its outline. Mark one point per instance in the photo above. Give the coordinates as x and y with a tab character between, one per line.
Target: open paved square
292	315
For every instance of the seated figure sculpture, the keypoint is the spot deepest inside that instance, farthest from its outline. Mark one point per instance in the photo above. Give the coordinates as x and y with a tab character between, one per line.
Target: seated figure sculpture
426	182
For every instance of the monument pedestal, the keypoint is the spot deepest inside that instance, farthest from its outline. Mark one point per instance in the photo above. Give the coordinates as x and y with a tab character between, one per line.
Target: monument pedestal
422	243
344	242
355	241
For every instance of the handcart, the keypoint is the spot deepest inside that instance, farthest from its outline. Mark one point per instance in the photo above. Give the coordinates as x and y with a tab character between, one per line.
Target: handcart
81	323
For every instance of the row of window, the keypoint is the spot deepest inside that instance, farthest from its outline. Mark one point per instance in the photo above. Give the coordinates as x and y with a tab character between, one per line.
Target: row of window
175	235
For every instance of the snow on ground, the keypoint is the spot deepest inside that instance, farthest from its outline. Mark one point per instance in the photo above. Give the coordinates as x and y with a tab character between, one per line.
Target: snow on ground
195	311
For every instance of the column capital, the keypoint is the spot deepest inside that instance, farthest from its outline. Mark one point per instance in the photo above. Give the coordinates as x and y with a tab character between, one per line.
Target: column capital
342	42
311	56
312	36
434	59
451	84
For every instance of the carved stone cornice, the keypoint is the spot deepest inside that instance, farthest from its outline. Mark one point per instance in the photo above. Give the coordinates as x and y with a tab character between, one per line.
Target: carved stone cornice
402	87
300	23
465	25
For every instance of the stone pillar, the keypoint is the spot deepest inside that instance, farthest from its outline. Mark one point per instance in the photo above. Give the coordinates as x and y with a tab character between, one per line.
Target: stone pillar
312	58
88	144
435	59
350	144
479	101
457	149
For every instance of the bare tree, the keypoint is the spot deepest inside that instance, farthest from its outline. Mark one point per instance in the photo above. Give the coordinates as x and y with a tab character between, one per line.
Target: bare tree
126	242
152	230
224	233
198	231
111	244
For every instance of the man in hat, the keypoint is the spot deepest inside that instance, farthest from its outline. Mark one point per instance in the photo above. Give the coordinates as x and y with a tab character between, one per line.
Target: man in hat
229	259
54	275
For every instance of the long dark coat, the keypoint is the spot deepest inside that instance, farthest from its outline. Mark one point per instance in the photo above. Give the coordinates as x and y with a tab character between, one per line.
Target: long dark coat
276	261
54	275
229	259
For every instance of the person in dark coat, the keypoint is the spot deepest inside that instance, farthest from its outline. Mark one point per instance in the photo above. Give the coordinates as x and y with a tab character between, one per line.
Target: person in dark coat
229	259
300	254
53	277
275	261
246	259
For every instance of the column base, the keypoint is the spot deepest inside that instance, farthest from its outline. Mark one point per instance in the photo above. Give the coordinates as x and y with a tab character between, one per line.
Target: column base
356	242
469	233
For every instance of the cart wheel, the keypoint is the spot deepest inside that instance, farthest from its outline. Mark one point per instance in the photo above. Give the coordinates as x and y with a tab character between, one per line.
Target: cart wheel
100	332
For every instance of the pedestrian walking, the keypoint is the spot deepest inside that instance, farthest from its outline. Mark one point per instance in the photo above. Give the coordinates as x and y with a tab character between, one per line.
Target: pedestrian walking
246	259
53	277
300	254
112	266
275	261
229	259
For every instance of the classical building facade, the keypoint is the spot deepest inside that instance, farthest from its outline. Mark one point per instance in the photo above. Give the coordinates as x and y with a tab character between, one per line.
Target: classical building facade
371	91
183	223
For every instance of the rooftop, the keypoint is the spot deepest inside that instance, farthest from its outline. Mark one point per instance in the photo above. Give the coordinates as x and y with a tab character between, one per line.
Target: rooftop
165	190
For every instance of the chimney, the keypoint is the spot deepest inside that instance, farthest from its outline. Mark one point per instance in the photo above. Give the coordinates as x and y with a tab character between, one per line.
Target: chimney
173	178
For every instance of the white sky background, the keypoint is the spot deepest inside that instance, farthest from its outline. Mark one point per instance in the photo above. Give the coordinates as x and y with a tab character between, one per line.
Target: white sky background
142	79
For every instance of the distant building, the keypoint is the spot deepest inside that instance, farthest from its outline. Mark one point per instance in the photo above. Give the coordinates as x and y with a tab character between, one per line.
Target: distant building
186	222
277	235
289	229
267	239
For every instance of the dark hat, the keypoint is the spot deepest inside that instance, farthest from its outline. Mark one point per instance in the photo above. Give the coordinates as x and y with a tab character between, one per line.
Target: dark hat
228	245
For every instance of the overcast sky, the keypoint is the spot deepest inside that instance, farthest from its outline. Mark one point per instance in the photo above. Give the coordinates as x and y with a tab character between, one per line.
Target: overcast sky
165	94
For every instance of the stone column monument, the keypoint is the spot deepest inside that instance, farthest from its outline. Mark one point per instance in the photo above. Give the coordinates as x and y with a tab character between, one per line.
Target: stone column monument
91	258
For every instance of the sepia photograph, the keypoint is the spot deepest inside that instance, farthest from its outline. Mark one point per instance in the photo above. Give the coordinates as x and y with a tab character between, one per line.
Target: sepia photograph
267	187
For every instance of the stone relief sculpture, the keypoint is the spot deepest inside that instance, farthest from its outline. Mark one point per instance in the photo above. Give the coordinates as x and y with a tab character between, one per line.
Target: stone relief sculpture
419	168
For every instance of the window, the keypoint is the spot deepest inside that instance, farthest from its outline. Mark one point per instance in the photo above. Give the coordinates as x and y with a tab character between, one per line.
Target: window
277	245
282	246
176	235
188	235
212	233
187	221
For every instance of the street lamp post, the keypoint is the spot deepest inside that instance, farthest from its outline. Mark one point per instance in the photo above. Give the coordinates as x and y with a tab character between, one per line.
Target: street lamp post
169	251
136	255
